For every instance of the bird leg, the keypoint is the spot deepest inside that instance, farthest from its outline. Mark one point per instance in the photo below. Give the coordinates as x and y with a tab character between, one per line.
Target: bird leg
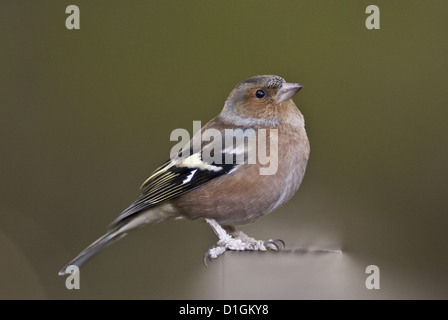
236	240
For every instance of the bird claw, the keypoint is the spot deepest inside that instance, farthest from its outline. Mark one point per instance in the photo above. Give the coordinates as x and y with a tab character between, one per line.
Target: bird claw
213	253
236	240
238	245
206	259
272	244
282	242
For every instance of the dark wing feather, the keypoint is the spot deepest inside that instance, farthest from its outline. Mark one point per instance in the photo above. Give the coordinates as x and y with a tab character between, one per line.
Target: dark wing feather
175	178
170	181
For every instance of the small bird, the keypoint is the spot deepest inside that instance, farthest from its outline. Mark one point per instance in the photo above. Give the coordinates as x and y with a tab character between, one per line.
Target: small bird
229	180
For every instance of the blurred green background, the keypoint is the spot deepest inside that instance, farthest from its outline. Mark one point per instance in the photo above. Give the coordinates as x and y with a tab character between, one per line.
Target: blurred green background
86	116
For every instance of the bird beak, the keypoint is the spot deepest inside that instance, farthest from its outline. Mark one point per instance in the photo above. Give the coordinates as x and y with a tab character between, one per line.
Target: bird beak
287	91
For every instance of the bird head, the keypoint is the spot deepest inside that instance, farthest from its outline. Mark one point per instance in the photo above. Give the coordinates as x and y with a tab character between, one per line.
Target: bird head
260	98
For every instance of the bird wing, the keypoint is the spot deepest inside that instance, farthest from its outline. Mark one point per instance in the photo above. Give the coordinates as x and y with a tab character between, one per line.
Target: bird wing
185	173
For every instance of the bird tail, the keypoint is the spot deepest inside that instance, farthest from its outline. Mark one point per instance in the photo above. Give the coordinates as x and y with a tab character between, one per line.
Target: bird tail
117	230
111	236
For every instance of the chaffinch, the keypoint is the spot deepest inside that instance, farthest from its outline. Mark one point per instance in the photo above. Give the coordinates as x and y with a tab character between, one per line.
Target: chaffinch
226	178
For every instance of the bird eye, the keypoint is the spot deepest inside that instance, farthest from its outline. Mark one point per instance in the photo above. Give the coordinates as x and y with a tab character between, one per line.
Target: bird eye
260	94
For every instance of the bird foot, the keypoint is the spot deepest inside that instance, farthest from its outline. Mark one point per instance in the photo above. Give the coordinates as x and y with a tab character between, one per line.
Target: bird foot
238	241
